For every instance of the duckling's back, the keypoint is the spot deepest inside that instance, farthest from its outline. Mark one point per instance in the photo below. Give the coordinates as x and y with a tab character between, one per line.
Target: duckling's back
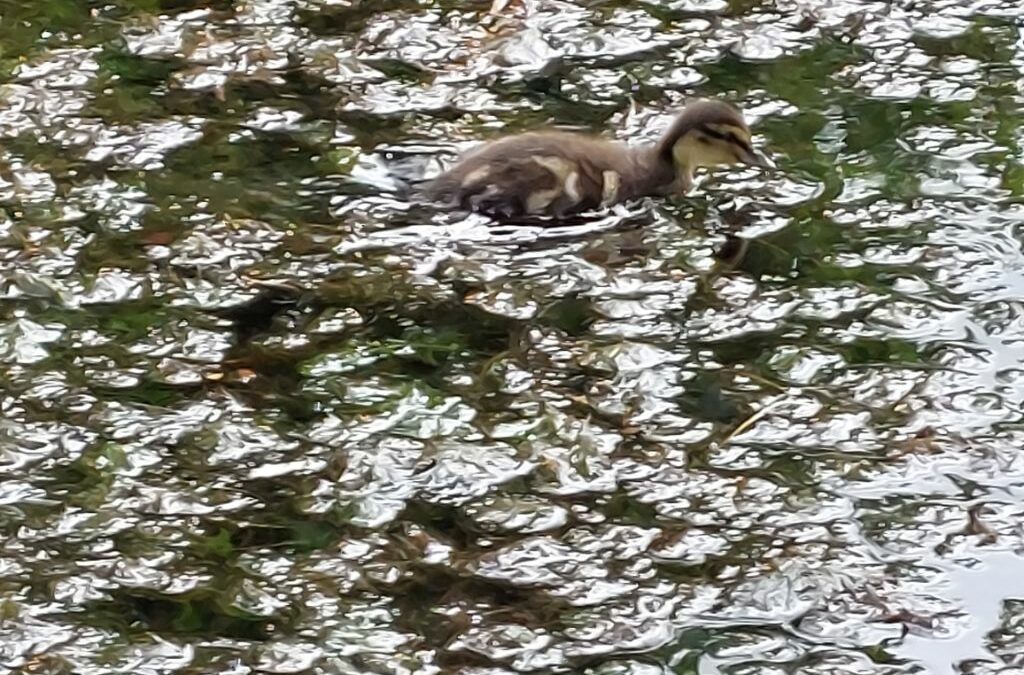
544	174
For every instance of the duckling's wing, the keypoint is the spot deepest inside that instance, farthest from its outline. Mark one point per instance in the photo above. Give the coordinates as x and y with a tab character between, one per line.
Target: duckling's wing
533	174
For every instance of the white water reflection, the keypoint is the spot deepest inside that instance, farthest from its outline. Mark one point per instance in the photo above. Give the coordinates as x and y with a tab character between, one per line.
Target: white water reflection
987	586
265	410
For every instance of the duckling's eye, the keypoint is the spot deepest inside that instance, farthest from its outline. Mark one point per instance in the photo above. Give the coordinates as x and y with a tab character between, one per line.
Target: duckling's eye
733	139
713	134
704	140
730	138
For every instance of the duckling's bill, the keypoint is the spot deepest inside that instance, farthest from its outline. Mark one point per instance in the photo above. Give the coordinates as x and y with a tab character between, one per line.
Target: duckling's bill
758	158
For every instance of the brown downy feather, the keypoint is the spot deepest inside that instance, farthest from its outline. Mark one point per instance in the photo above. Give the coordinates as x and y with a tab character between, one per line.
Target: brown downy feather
558	174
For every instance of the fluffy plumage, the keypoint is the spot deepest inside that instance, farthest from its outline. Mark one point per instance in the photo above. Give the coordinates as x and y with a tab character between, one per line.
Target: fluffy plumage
558	174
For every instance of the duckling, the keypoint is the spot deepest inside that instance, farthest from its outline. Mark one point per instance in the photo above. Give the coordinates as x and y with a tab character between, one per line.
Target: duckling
558	174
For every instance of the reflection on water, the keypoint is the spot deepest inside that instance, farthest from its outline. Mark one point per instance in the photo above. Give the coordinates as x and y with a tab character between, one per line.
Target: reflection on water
264	410
982	586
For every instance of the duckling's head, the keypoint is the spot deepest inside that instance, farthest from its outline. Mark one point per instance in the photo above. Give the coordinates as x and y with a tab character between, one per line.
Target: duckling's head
708	133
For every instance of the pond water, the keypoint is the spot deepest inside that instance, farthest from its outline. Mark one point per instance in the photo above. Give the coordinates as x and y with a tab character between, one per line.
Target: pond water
264	411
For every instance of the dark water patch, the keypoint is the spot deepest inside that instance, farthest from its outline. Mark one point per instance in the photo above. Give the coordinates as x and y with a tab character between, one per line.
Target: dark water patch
195	614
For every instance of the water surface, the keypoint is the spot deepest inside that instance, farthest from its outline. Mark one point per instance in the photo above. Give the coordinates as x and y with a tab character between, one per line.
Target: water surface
264	412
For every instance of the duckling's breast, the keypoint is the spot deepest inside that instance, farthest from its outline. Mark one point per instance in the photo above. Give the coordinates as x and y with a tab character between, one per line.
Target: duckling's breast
548	174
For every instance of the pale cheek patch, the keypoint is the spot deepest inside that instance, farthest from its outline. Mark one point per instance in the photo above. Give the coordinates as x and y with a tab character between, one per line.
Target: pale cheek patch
687	152
610	182
690	153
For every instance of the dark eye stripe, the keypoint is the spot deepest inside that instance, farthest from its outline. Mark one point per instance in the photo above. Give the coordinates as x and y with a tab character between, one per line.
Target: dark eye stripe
742	143
728	138
713	134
